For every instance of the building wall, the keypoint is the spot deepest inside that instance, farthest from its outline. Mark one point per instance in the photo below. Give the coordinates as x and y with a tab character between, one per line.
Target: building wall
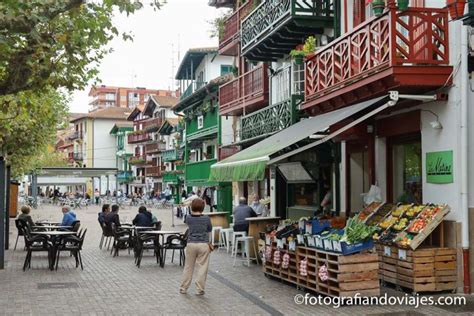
105	145
211	66
88	145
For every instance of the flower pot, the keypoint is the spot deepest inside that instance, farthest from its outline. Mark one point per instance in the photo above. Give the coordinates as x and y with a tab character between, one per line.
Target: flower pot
456	8
298	60
378	6
402	4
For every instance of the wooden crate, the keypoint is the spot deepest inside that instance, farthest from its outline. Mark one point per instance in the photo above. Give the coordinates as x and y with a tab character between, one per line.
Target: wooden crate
348	275
276	271
423	270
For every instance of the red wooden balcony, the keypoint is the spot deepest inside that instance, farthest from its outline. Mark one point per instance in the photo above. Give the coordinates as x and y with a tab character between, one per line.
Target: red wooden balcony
70	156
250	90
137	160
155	147
229	43
138	138
156	171
152	125
406	51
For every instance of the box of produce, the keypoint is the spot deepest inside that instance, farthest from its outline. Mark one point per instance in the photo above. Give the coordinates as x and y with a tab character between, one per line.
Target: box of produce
388	222
386	237
380	214
401	209
403	240
401	224
414	211
318	226
369	210
347	249
357	237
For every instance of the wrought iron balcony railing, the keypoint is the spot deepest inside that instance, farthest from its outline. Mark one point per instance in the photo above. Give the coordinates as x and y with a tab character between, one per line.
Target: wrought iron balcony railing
75	135
271	119
262	29
171	155
249	90
398	46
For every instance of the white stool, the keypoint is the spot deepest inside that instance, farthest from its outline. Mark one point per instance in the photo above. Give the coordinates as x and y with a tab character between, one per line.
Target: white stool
245	241
225	237
234	243
215	229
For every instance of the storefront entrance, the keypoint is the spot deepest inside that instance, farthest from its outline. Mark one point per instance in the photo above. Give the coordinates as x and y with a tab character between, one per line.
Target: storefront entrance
405	169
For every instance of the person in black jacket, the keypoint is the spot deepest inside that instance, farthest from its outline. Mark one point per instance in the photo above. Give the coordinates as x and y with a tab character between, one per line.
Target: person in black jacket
143	218
113	217
241	212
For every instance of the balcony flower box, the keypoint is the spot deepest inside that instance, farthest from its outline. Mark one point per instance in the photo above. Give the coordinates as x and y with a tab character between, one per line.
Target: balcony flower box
136	161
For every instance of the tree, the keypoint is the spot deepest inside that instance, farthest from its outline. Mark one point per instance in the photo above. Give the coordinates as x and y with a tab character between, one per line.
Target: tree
29	126
56	43
48	46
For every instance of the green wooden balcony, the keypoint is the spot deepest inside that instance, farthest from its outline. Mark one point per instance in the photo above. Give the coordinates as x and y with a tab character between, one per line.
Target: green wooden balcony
173	176
197	173
271	119
193	87
125	177
171	155
275	27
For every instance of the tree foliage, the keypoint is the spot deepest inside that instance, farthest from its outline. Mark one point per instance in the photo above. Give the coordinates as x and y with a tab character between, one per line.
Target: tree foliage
56	43
29	126
48	46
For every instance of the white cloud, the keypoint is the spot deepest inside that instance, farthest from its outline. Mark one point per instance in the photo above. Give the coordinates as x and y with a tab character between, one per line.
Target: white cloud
147	61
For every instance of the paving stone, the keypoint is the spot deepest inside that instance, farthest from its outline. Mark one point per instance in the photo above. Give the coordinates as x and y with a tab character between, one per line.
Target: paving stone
115	286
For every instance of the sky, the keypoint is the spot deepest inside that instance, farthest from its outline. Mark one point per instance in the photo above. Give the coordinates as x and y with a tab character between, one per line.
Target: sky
148	60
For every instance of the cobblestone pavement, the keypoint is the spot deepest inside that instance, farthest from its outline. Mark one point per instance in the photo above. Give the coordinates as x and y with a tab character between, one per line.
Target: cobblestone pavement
116	286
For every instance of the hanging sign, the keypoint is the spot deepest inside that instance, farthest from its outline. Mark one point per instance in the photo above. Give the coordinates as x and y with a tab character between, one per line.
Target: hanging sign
439	167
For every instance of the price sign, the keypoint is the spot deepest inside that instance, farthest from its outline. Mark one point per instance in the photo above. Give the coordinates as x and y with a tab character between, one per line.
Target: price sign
279	243
268	240
402	254
387	251
292	246
300	239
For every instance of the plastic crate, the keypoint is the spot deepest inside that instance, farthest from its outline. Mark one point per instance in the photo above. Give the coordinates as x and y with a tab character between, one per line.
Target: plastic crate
347	249
318	226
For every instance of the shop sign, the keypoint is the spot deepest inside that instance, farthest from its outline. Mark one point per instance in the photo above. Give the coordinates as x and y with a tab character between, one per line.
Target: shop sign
402	254
439	167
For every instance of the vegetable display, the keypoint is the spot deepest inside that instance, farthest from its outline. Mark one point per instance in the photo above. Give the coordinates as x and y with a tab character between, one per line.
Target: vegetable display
357	231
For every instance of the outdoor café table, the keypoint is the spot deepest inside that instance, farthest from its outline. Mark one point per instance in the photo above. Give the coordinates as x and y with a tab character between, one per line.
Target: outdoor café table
54	236
52	227
47	223
161	233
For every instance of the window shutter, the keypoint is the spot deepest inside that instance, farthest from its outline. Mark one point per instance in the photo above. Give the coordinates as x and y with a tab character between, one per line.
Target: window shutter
359	12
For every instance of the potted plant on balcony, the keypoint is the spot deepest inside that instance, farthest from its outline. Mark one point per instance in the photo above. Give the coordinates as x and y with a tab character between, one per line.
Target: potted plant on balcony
304	51
378	6
456	8
402	4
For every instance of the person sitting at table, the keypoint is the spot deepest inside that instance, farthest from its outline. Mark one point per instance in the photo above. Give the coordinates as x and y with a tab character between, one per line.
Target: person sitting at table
198	248
69	216
113	217
105	211
143	218
258	207
241	212
25	215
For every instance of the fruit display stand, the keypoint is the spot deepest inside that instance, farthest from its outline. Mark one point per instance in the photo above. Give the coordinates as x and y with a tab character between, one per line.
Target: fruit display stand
347	275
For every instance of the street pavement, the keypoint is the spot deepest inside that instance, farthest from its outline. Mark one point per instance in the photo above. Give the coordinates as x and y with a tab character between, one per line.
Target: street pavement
115	286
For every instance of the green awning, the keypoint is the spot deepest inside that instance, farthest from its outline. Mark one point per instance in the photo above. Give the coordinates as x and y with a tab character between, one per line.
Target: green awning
249	164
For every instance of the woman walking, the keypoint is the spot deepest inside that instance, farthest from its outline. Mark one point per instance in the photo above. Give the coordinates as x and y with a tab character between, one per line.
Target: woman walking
198	248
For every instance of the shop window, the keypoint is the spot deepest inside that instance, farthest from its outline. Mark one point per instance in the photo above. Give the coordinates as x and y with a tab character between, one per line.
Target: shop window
407	172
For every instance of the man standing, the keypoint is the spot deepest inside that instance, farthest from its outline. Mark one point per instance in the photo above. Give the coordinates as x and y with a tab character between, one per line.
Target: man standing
241	212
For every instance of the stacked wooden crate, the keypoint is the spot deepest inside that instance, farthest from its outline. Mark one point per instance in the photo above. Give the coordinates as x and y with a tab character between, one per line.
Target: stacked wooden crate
421	270
347	275
290	274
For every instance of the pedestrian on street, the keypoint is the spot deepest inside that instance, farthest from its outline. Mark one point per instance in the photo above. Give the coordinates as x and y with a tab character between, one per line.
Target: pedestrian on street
198	248
97	196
